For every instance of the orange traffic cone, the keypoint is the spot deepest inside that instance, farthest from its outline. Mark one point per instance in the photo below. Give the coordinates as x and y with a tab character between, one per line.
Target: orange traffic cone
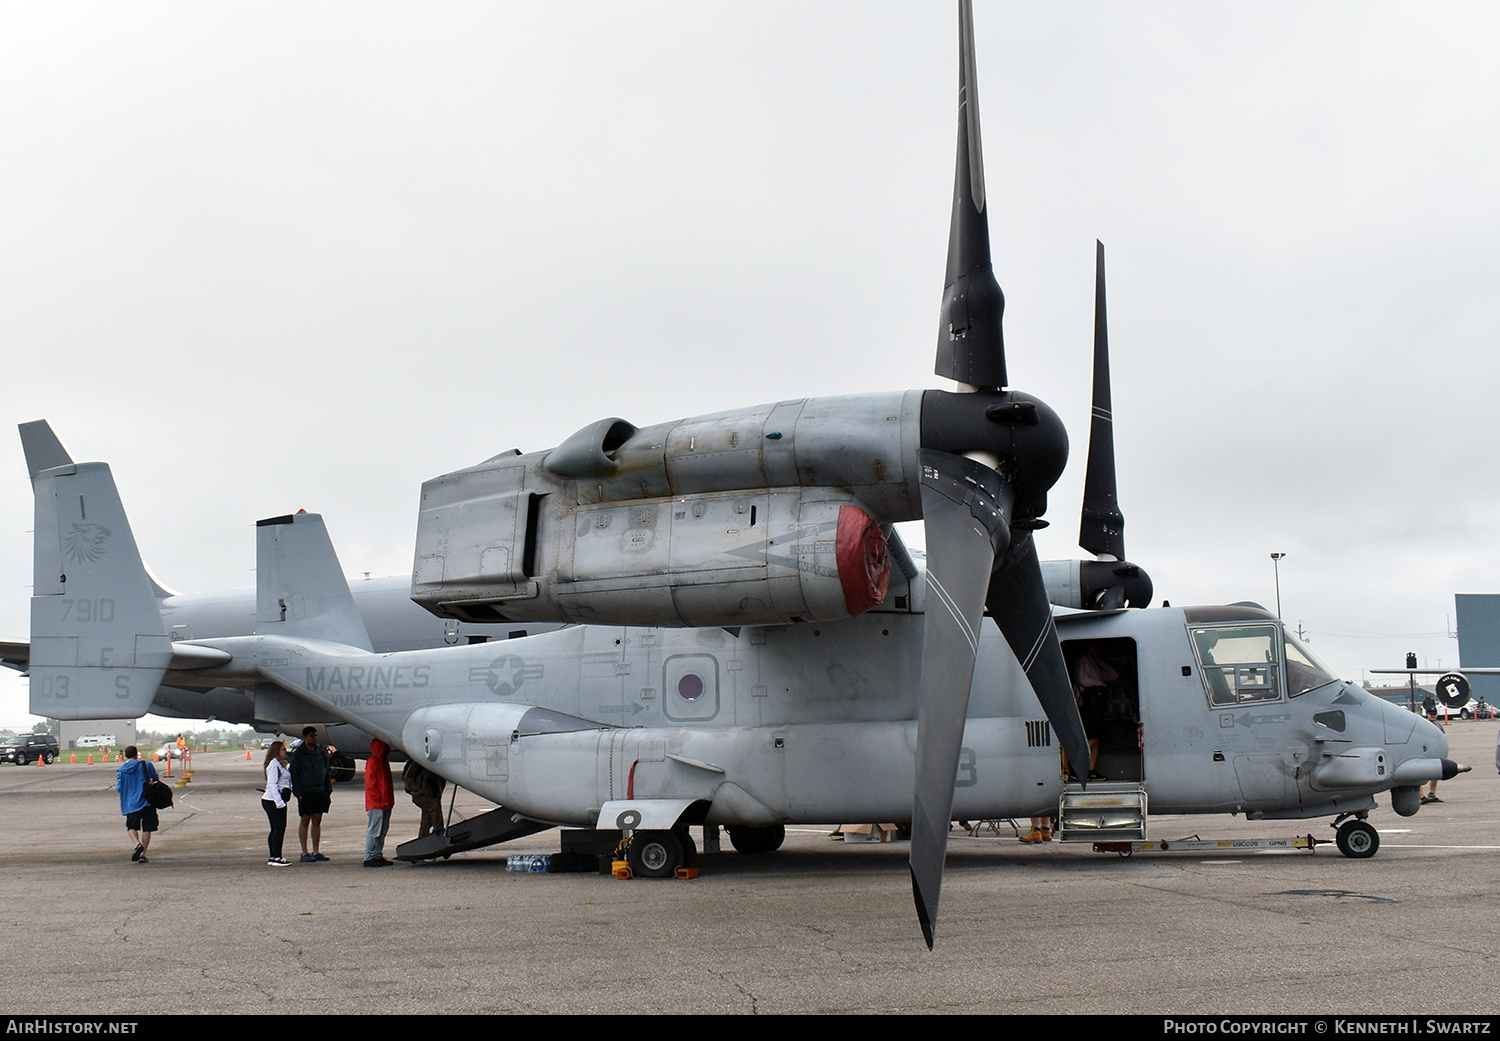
73	759
91	759
247	755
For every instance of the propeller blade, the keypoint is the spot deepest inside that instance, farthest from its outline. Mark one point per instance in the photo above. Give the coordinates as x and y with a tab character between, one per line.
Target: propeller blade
1101	530
966	516
971	349
1113	598
1017	601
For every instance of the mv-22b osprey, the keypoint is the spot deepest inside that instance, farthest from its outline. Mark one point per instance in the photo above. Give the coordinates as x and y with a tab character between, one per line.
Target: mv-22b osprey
748	654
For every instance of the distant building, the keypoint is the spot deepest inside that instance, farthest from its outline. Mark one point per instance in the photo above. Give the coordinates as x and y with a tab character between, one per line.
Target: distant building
1401	694
1479	640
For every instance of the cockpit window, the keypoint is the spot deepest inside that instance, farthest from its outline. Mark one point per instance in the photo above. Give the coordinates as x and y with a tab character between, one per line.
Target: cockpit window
1239	663
1304	671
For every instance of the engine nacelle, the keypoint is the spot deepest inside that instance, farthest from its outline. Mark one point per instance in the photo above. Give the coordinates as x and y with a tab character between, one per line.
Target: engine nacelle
766	515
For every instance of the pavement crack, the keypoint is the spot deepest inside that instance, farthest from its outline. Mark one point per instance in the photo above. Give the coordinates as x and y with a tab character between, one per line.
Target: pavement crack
741	988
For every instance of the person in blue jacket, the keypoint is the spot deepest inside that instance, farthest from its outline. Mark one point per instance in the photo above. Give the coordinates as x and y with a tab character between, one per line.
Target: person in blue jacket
140	815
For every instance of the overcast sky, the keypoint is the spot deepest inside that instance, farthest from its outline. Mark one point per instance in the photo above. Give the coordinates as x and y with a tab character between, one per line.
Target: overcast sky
307	255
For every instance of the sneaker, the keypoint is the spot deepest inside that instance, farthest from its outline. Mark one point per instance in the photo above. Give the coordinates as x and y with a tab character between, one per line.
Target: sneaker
319	856
308	858
1432	798
136	856
1095	775
278	862
377	862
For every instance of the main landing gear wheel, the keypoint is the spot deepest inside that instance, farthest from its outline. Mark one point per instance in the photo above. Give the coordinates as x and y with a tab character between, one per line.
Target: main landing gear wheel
1358	840
747	839
655	854
341	767
689	847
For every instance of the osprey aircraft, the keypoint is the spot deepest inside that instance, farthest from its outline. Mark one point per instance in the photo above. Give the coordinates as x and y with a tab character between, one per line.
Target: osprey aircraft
738	635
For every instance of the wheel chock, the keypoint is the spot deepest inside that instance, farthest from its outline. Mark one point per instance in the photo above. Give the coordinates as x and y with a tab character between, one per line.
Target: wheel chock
687	872
620	868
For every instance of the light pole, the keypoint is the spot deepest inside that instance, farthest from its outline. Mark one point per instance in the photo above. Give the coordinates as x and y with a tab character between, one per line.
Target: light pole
1276	565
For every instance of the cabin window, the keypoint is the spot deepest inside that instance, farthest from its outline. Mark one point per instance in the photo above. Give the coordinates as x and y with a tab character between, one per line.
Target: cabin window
1333	720
1240	664
690	687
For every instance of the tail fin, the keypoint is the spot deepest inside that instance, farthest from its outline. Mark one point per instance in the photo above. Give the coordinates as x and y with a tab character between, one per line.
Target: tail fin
99	648
300	589
43	449
43	452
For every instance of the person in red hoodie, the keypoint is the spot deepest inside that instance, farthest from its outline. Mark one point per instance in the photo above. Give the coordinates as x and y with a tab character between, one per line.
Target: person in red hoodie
380	797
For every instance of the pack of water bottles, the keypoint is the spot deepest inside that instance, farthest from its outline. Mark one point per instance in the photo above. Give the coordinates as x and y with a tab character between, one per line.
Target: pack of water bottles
537	863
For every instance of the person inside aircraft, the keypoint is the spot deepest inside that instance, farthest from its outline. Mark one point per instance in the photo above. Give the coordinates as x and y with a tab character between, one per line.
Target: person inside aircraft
1095	675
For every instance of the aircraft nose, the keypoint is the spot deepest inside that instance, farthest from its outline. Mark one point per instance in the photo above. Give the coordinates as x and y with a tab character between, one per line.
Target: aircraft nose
1433	737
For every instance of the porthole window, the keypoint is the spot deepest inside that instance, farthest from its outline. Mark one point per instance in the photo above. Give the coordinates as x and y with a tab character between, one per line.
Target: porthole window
690	687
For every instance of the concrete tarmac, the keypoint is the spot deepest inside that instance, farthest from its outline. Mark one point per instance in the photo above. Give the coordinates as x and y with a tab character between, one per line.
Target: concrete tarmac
821	926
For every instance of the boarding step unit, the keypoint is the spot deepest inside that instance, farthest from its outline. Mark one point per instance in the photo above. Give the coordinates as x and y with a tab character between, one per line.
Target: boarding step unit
1104	811
498	825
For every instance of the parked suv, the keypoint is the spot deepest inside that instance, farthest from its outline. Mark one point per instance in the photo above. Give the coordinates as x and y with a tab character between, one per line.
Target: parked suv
28	748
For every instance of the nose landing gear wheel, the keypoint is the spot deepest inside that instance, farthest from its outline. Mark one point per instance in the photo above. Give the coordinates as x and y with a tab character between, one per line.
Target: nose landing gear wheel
1358	840
655	854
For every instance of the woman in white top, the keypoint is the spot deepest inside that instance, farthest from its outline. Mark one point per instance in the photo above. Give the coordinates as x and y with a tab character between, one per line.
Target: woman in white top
278	791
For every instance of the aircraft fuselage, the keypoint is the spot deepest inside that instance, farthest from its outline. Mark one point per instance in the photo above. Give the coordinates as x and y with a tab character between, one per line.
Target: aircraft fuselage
816	723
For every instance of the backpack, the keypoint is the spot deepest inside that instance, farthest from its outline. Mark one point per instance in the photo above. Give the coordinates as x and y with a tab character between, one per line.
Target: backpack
411	777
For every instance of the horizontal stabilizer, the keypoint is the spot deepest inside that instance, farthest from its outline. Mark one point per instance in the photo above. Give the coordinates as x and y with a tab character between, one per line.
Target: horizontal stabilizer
14	654
99	648
300	589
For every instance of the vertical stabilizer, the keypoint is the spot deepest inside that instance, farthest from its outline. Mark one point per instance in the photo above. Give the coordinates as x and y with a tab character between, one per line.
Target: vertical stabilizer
45	451
99	648
42	447
300	589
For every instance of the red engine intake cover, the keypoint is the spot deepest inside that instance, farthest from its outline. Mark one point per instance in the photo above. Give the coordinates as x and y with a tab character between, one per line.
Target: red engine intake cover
863	558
